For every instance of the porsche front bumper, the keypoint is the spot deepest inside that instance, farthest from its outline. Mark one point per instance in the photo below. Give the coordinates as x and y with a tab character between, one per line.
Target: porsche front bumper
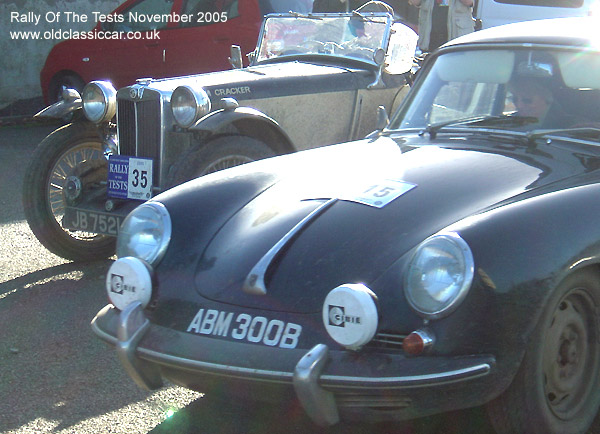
325	382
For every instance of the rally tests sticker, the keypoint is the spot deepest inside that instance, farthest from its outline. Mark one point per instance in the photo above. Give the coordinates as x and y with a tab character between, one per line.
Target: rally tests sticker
245	327
129	177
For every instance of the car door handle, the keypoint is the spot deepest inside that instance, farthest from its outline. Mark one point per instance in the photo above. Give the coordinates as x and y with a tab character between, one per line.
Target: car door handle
221	39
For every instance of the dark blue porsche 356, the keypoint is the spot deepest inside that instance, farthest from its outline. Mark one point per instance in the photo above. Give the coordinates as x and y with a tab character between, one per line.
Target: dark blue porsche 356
449	260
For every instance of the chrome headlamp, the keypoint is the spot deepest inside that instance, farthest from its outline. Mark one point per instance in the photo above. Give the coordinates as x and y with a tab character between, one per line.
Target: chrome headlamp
145	233
99	101
439	275
188	105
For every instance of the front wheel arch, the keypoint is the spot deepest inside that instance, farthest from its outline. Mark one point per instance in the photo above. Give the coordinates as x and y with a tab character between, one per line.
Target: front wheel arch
557	386
216	154
246	122
266	132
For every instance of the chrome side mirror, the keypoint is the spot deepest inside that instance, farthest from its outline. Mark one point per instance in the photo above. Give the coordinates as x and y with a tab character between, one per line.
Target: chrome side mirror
236	57
382	118
70	95
382	121
252	56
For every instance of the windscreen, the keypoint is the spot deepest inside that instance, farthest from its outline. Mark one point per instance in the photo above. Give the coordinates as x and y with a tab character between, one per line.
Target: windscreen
543	88
354	37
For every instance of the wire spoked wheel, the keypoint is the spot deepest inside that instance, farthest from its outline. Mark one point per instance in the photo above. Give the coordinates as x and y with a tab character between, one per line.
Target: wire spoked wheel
61	165
62	178
221	153
225	163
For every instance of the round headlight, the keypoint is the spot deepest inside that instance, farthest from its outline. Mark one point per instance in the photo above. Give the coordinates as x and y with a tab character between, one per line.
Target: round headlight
145	233
99	101
439	275
188	105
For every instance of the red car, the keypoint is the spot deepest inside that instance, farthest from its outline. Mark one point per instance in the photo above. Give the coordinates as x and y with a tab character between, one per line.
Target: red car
195	39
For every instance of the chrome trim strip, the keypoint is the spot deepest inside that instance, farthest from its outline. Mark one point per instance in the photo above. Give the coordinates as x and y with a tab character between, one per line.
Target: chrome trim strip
137	127
418	380
166	122
318	403
255	281
436	379
226	370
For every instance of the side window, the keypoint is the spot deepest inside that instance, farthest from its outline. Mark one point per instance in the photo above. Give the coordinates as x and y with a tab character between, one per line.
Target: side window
138	17
207	12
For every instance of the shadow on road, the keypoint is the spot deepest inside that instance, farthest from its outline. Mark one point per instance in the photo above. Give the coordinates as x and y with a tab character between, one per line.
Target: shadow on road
16	146
49	356
212	416
53	274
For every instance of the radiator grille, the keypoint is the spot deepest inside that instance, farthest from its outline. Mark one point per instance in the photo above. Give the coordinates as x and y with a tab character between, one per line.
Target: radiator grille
139	129
126	127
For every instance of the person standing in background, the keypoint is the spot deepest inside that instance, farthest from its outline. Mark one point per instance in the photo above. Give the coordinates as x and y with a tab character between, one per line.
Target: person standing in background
443	20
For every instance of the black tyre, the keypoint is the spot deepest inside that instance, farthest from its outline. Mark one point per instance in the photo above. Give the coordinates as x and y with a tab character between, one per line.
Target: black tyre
221	153
557	387
60	155
69	81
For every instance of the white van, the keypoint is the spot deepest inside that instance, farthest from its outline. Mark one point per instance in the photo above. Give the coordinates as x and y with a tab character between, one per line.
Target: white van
490	13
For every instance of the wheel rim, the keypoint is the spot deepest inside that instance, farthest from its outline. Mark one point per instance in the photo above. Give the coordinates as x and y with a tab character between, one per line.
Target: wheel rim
63	169
570	354
226	163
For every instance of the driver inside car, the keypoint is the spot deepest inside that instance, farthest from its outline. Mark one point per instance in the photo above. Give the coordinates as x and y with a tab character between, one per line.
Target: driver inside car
533	98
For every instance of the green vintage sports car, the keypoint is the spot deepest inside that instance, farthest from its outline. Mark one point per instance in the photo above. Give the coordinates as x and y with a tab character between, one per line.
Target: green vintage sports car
314	80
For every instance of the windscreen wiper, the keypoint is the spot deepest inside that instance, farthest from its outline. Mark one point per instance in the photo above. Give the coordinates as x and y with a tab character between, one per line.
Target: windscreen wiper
488	120
577	133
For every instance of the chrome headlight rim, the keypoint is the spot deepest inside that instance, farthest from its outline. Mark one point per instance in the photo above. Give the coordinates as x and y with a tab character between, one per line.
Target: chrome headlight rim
197	101
468	272
163	225
103	110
